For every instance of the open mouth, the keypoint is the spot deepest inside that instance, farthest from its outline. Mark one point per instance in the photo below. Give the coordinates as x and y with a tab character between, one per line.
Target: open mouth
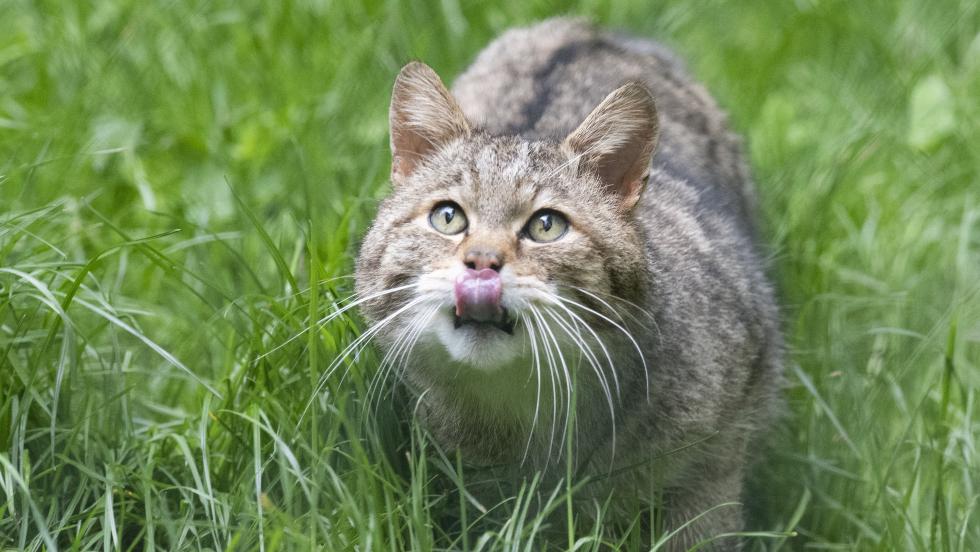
504	322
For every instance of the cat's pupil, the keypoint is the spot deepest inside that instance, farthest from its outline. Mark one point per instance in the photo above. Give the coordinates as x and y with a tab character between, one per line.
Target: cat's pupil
449	214
546	222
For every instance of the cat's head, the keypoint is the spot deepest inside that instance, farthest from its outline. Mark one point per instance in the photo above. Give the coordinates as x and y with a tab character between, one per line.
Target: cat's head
488	241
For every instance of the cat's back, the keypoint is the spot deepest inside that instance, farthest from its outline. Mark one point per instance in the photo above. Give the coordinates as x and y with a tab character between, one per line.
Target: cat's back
542	81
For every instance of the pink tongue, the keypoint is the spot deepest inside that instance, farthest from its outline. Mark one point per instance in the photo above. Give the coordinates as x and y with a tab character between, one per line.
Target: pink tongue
478	295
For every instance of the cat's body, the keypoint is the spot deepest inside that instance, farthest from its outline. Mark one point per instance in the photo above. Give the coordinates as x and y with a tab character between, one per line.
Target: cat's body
674	265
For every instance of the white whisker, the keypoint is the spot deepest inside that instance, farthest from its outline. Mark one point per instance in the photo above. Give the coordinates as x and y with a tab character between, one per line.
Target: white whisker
359	344
578	320
553	377
401	349
422	324
384	366
639	350
568	377
626	302
584	348
537	373
326	319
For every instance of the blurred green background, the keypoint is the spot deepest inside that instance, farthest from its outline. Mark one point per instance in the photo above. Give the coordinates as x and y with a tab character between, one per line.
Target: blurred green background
174	175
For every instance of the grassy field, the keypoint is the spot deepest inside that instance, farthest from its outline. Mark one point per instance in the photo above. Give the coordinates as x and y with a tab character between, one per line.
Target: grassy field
175	175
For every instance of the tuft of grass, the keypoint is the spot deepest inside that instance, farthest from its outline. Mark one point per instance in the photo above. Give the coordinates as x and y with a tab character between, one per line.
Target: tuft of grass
182	188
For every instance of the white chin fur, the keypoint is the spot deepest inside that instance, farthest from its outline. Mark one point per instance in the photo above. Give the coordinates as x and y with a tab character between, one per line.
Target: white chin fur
483	348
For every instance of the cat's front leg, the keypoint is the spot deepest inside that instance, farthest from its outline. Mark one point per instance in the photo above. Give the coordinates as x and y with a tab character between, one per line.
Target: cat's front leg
710	506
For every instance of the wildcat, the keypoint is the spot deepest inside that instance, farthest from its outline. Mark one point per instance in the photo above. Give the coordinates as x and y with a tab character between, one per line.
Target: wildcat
569	252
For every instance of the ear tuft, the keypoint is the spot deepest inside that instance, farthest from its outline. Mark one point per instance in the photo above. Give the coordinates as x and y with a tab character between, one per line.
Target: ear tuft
423	116
616	141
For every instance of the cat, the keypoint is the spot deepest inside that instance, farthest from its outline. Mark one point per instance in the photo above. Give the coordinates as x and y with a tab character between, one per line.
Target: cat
570	251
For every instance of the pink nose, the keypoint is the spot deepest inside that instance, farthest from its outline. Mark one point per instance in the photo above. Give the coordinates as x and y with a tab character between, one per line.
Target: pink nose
478	295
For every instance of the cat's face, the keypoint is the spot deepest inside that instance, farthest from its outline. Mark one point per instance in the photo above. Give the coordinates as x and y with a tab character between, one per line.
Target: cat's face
488	244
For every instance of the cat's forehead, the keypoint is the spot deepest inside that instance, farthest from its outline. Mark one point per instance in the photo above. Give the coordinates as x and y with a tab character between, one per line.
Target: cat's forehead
503	177
496	179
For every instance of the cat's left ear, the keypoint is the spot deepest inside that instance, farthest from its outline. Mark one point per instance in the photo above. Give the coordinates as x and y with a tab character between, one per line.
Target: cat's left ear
423	116
616	142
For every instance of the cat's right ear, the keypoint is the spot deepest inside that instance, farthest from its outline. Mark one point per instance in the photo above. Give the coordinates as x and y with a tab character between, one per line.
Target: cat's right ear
422	117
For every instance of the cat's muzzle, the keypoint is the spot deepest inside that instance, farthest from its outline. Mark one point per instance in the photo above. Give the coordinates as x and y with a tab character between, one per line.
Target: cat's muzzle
478	294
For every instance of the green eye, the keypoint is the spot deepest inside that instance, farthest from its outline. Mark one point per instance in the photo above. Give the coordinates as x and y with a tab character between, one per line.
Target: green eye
448	218
546	226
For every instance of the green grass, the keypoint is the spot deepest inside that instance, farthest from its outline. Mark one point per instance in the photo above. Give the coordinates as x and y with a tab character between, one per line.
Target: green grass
175	175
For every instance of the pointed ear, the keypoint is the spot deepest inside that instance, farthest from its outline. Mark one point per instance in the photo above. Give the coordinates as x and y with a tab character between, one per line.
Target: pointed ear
616	142
423	116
